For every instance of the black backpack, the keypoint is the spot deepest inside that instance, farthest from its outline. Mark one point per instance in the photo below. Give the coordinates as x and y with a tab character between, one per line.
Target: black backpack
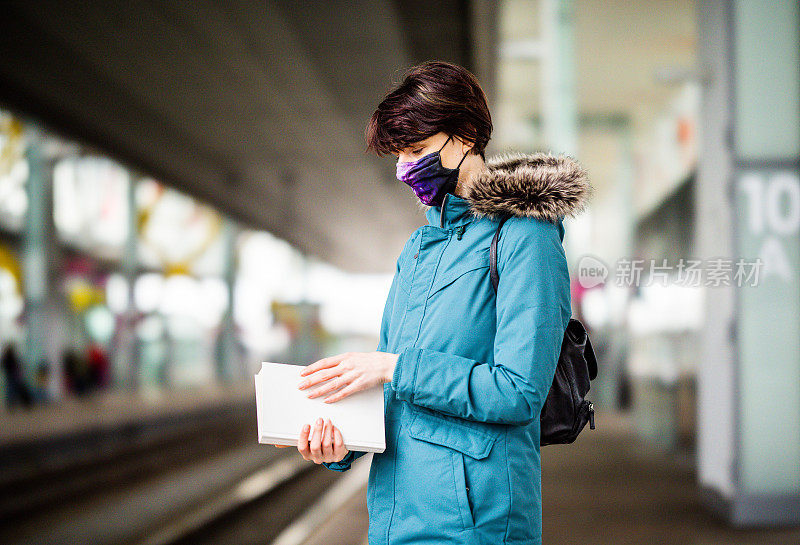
565	410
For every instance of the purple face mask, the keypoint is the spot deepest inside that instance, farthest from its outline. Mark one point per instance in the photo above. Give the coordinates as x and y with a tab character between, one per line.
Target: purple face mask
429	179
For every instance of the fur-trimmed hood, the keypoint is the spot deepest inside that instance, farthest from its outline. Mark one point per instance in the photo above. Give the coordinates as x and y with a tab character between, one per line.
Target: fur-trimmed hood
537	185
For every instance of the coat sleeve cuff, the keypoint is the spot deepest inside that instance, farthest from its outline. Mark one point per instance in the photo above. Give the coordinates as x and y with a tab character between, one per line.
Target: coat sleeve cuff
405	374
343	464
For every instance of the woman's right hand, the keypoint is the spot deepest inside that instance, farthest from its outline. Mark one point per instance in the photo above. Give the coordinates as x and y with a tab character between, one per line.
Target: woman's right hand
327	444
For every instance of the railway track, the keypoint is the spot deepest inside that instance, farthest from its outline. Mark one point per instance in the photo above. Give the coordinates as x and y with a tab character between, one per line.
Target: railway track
282	505
205	482
40	475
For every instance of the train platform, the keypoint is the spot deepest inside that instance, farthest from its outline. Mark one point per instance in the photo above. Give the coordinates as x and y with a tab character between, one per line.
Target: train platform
607	488
114	410
187	469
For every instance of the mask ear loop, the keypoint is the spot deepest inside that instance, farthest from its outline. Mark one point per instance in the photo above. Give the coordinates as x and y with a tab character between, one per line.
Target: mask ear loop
462	159
445	143
454	183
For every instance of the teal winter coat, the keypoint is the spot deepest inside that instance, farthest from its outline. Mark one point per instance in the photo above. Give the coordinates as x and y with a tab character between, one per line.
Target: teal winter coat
462	461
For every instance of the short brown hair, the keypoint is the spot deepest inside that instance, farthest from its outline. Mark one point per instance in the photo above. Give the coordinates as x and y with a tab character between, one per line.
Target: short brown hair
435	96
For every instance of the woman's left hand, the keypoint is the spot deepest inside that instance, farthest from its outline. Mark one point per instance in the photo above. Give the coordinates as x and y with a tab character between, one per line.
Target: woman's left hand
351	371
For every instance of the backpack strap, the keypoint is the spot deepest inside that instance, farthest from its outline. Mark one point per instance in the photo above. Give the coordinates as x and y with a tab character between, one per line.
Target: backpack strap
588	351
591	359
493	255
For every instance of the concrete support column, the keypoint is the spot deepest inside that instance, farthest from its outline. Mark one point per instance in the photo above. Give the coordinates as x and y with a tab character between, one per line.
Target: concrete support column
228	359
483	17
126	368
558	76
38	250
748	202
559	103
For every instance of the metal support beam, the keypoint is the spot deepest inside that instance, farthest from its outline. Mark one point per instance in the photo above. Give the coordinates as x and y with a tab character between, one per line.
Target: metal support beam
38	245
126	370
228	364
558	76
748	190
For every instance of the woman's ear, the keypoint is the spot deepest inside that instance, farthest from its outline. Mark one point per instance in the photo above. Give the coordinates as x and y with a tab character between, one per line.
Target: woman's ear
465	145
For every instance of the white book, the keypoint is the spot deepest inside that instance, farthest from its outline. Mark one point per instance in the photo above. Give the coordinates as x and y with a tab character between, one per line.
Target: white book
283	409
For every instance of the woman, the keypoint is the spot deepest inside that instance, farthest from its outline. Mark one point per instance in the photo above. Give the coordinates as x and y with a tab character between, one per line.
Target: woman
465	372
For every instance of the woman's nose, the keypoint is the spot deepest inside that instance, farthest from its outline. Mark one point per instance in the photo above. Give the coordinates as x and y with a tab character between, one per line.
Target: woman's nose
404	157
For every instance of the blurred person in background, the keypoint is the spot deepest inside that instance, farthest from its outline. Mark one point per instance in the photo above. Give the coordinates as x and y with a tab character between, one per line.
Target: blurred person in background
40	393
465	371
17	392
97	367
76	372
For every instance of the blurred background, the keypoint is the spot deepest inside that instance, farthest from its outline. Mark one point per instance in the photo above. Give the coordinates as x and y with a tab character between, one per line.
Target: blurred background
184	193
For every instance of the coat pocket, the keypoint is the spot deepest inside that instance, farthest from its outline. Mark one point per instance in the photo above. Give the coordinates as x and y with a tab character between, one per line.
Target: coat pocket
405	276
469	441
458	441
474	263
407	263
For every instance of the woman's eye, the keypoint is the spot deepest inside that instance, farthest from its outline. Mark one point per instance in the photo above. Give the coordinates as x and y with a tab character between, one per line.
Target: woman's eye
416	152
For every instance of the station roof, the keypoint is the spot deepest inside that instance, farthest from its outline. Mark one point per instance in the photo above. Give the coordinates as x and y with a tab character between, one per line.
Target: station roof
258	108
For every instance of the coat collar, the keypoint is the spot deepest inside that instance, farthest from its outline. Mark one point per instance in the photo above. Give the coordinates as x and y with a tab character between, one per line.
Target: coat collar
537	185
454	211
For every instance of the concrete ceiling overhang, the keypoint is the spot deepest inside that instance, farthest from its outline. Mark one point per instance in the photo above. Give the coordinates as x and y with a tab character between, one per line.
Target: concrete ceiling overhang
258	108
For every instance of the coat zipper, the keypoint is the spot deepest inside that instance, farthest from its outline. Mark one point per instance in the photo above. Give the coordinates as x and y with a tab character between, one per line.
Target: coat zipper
458	230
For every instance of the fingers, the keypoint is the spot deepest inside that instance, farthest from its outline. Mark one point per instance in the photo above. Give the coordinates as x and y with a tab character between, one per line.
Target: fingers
327	442
339	450
334	384
316	442
302	442
351	388
320	376
323	363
